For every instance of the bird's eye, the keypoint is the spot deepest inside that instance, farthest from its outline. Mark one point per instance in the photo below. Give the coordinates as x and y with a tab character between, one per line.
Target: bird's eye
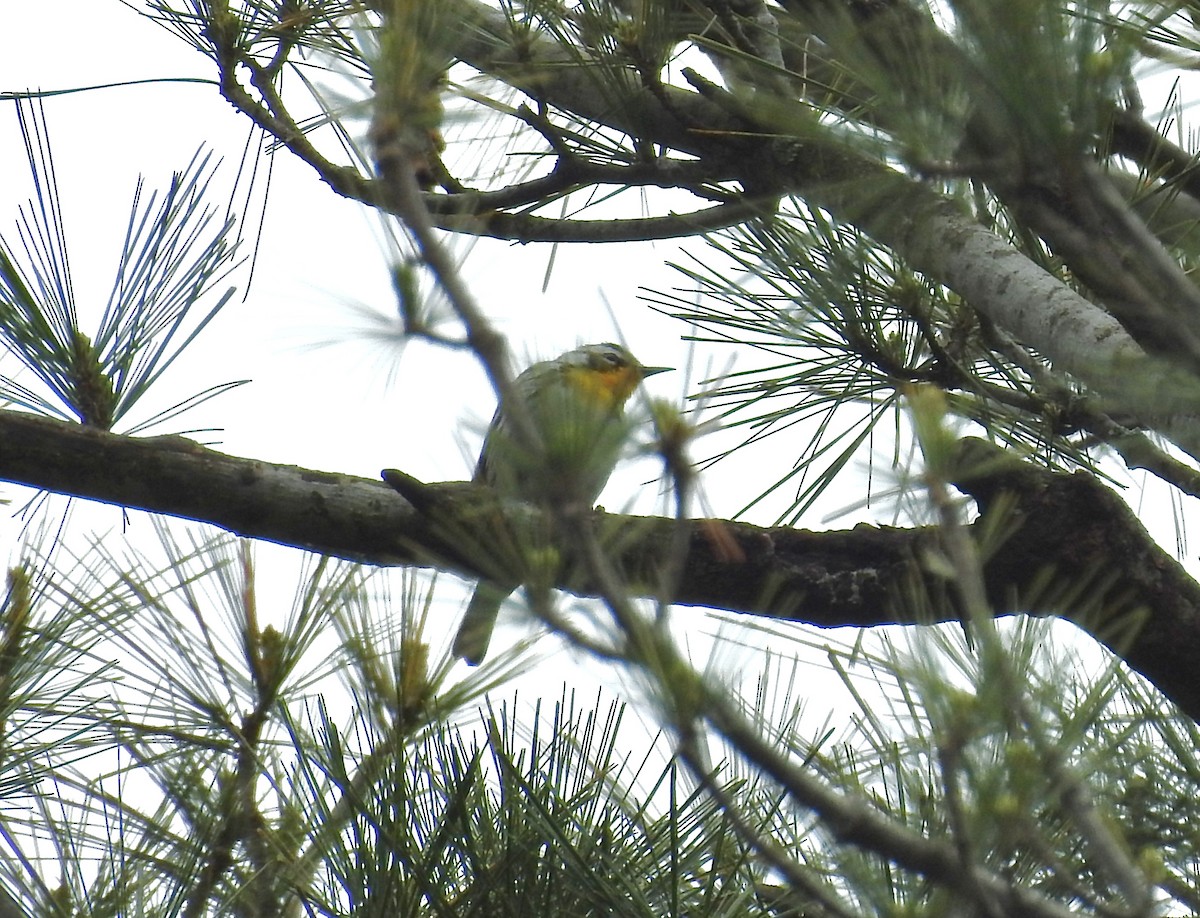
612	358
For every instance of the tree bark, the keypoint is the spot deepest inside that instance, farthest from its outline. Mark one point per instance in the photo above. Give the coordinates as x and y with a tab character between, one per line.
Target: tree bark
1052	543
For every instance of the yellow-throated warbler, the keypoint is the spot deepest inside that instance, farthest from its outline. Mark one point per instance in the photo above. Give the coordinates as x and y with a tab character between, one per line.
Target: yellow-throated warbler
576	404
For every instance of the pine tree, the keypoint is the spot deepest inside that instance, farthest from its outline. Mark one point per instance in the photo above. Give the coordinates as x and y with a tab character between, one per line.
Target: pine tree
953	231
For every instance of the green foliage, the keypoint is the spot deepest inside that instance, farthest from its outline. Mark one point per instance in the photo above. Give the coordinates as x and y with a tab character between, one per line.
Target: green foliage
175	251
845	328
277	785
226	788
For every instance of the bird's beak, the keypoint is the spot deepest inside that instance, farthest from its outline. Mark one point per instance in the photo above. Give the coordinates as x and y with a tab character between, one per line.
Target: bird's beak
653	371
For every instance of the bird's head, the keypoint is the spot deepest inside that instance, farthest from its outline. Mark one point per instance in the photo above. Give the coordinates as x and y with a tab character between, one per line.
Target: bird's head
606	372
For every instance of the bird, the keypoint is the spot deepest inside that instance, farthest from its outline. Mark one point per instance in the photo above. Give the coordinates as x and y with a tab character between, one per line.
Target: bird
576	405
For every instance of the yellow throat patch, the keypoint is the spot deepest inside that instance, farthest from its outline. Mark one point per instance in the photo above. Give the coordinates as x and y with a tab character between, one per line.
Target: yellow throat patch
608	386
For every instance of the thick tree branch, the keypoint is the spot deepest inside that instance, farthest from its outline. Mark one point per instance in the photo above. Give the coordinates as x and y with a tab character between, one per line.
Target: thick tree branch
1069	546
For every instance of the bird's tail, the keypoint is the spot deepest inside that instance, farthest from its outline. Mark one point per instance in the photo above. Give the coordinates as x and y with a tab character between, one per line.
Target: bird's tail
475	632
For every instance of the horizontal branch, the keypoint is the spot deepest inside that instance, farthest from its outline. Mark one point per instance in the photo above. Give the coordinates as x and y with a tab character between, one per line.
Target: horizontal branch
1071	547
526	228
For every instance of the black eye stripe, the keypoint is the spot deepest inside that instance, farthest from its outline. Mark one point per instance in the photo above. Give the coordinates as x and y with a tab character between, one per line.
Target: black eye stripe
604	361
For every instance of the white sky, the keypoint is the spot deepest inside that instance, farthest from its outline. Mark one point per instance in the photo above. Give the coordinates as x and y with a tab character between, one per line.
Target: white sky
352	407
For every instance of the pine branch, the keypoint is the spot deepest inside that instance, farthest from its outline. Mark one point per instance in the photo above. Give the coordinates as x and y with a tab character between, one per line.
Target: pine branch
1069	547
